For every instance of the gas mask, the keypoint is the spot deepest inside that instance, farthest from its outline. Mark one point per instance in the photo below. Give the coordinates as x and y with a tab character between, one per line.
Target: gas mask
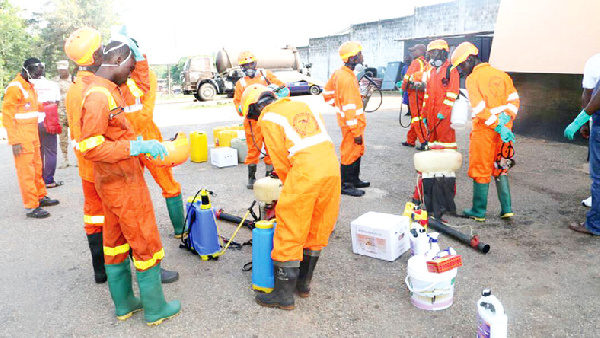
249	72
436	62
359	68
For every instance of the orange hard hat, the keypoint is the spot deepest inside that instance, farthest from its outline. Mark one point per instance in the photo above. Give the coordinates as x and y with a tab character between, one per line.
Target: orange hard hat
246	57
462	52
178	148
438	44
82	44
349	49
251	95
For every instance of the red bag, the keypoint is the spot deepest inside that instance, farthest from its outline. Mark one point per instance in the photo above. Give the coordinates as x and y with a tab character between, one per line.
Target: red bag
51	122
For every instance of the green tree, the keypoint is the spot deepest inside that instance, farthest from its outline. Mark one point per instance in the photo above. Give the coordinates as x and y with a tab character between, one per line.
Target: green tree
62	17
177	69
16	44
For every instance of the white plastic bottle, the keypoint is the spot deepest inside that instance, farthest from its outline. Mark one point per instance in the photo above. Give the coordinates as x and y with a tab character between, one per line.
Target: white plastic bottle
419	240
493	322
434	247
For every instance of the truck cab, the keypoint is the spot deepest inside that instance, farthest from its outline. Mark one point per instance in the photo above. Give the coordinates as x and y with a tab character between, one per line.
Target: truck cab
198	78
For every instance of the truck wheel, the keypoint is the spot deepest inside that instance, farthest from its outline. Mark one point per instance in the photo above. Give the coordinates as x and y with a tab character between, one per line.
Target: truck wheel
207	92
314	90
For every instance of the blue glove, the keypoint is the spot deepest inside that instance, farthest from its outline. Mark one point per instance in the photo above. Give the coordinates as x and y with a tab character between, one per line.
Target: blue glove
440	116
399	86
425	122
579	121
505	134
504	118
283	92
151	147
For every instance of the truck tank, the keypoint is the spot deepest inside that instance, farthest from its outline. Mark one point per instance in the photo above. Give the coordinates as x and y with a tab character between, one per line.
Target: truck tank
285	58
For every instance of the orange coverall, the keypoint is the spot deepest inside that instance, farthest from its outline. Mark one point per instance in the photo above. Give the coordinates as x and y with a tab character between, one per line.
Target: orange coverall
341	91
105	140
21	113
139	111
304	158
93	214
491	92
264	77
415	72
439	98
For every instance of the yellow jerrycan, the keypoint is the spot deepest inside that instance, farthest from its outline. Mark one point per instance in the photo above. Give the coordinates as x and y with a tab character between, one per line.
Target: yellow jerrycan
199	146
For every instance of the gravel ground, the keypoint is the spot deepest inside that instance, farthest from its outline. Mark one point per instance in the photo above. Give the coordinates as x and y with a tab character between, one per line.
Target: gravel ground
537	267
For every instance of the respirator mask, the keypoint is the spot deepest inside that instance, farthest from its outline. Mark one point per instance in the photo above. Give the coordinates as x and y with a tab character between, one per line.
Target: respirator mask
249	72
436	62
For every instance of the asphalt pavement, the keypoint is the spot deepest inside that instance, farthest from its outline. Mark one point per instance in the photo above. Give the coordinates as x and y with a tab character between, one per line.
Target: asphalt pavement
544	274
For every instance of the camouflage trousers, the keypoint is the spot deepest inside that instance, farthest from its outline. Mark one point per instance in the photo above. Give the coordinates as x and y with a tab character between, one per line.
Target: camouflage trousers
64	135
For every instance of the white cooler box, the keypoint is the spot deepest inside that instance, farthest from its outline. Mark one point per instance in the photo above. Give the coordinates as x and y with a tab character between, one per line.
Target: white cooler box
379	235
223	157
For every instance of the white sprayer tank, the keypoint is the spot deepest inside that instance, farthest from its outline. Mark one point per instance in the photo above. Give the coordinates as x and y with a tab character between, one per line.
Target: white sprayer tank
267	189
461	112
438	161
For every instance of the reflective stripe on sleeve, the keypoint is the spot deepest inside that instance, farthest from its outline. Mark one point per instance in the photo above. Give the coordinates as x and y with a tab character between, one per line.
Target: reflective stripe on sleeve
491	120
91	142
93	219
479	108
512	107
360	111
144	265
513	96
134	89
448	102
137	106
121	249
451	95
329	92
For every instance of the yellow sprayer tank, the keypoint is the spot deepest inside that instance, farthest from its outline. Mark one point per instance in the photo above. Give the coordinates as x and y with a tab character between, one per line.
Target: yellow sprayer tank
199	146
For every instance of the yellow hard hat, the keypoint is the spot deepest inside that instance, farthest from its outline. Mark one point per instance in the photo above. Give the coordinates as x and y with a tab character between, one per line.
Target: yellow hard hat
246	57
251	95
179	151
462	52
82	44
438	44
349	49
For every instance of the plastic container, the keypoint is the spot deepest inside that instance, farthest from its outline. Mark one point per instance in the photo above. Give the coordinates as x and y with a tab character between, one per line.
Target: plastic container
493	322
262	264
462	113
216	131
199	146
224	137
438	161
241	147
203	232
434	247
223	157
267	189
429	291
419	240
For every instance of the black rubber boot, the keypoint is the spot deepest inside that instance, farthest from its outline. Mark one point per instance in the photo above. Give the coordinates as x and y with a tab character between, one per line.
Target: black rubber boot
167	276
251	176
96	248
282	296
347	185
307	267
358	183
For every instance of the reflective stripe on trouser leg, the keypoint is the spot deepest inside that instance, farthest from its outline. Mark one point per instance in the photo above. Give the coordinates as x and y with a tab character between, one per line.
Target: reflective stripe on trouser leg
350	151
93	213
163	176
483	147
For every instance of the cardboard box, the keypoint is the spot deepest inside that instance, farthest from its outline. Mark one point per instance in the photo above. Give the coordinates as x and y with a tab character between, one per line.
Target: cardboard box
223	157
379	235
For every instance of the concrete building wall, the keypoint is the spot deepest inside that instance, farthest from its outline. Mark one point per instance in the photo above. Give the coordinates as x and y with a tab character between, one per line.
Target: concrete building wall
378	38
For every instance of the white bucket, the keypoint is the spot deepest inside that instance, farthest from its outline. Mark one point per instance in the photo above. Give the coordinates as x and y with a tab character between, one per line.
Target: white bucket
429	291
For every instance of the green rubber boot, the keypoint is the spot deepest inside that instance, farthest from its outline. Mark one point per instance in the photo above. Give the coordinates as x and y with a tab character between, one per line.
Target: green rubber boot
503	190
480	195
156	309
175	207
121	291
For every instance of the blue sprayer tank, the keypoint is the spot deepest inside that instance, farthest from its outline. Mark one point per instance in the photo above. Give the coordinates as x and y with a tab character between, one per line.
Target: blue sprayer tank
262	264
203	233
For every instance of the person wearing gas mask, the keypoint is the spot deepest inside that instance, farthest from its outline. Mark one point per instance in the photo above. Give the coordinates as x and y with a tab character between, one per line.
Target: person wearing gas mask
254	138
307	209
414	83
495	104
21	113
108	140
342	92
441	91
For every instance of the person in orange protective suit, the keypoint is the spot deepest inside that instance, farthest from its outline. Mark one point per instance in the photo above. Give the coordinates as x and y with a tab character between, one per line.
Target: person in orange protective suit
305	161
84	47
108	140
495	103
342	92
21	113
140	96
414	83
254	138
